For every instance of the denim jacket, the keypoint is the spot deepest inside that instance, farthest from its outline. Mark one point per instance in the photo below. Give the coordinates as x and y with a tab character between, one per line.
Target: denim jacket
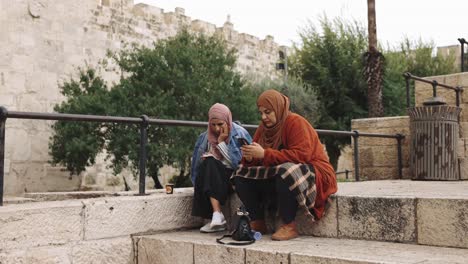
201	147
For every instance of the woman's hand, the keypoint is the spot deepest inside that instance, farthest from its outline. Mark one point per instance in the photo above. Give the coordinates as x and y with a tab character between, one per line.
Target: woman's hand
223	133
253	150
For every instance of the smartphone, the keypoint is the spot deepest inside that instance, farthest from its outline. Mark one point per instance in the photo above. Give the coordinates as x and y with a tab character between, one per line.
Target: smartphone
243	141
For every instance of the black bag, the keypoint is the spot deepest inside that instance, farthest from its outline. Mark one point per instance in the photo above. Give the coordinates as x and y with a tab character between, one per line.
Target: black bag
240	224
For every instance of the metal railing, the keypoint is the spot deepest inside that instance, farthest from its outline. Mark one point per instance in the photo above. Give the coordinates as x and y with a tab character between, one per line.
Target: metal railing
144	121
458	89
462	44
346	172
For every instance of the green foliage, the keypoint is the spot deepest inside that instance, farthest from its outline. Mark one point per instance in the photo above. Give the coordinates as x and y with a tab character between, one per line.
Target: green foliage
416	58
303	98
178	78
75	144
181	181
330	61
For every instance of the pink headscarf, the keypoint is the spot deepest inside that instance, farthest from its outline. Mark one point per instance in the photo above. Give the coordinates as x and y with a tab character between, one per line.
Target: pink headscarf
221	112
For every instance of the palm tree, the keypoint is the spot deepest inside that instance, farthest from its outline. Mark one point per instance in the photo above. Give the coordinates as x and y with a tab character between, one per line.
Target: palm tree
374	67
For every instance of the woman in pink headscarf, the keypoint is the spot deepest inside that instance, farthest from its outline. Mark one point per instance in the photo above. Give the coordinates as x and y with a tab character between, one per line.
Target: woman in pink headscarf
216	155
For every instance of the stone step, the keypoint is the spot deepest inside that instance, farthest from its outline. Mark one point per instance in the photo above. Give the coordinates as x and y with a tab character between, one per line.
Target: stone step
414	212
194	247
17	200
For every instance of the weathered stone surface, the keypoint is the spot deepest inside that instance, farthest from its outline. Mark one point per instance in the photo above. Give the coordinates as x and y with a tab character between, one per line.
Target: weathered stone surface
218	254
443	222
163	251
463	164
39	224
117	250
378	157
382	157
378	173
16	152
265	255
325	227
114	217
387	219
304	249
370	124
49	255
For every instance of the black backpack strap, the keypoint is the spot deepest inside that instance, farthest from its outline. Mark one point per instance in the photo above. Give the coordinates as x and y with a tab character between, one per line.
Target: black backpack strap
235	243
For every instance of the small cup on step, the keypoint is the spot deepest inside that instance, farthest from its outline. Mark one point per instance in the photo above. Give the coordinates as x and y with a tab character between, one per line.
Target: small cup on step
169	188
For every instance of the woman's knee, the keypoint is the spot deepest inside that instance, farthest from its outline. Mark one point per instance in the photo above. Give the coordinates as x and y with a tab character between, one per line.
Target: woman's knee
281	186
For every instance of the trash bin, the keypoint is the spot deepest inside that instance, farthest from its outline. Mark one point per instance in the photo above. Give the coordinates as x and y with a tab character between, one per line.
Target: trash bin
434	140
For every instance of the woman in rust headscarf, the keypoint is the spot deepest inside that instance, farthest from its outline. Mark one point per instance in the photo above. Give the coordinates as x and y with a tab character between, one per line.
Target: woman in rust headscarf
286	159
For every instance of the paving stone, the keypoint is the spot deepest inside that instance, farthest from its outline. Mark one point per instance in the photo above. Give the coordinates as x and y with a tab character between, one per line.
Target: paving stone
443	222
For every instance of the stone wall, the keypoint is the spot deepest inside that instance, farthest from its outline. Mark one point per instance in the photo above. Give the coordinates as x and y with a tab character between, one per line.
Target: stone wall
41	44
378	157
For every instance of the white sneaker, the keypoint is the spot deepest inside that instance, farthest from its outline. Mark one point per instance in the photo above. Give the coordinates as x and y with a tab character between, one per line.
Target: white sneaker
217	220
208	229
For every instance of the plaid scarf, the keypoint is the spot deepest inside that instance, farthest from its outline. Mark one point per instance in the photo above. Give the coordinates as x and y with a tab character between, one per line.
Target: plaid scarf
300	179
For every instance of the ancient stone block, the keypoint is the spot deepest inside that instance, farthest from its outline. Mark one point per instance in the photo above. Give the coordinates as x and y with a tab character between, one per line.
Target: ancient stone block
132	215
265	256
47	254
443	222
325	227
17	152
117	250
163	251
39	224
378	173
217	254
372	218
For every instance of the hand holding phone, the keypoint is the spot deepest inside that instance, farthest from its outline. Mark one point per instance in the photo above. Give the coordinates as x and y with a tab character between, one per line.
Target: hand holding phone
243	141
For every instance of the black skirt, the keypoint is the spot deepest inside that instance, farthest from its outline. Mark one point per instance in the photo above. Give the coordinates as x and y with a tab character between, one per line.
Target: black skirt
212	181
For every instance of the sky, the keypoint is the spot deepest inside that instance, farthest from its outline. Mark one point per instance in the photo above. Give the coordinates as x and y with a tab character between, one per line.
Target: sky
442	22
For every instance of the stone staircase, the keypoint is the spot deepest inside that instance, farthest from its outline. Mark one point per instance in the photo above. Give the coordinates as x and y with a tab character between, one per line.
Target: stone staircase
369	222
390	221
193	247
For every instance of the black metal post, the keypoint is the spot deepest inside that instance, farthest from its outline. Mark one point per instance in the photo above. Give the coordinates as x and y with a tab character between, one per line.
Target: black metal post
400	159
347	172
434	88
143	144
356	155
3	117
462	43
407	79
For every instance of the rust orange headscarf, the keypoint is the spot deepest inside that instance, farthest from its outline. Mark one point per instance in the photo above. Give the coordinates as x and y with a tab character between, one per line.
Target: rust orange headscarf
270	137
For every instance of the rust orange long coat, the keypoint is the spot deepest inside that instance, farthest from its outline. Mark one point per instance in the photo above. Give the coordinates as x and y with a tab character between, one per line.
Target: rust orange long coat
301	144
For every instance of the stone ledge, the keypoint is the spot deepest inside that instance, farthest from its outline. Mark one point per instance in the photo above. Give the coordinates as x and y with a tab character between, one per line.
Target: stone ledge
117	250
202	248
396	211
38	224
60	196
112	217
402	211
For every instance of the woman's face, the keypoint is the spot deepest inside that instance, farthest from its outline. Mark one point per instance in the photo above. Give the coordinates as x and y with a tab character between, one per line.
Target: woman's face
217	125
268	116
